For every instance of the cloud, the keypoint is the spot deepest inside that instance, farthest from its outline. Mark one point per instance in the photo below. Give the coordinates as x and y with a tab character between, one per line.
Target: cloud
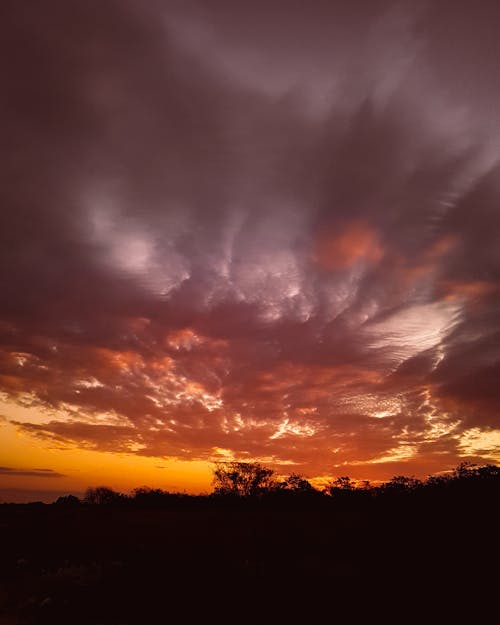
9	471
267	231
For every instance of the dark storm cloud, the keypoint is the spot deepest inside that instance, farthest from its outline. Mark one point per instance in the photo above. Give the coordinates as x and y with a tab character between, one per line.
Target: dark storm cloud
265	230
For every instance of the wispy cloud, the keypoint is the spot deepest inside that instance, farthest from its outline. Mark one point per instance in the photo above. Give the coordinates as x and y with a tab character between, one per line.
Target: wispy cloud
29	472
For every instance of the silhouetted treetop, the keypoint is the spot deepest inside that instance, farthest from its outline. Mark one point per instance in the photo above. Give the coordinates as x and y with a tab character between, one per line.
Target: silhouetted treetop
296	484
340	486
243	479
102	495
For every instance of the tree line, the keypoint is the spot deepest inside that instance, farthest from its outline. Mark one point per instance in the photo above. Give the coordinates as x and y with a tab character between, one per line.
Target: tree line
251	481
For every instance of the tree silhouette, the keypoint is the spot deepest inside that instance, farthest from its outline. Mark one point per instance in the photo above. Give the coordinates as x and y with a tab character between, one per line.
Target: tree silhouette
465	470
402	483
151	497
243	479
488	472
340	486
296	484
101	495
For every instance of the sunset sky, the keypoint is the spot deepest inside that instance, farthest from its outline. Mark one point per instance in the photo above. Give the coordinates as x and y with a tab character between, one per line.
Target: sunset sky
263	230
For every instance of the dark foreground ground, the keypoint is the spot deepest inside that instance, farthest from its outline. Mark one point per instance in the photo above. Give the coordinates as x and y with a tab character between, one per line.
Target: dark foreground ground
430	558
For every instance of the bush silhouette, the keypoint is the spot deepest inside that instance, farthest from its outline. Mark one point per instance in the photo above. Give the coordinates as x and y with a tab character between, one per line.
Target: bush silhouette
67	500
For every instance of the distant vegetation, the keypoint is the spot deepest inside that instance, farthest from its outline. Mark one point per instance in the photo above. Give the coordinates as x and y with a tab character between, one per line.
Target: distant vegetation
251	481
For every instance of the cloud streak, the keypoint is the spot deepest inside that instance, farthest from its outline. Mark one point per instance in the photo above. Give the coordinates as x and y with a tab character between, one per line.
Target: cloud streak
9	471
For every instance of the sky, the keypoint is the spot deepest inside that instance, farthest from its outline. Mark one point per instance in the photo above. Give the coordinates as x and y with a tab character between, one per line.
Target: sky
264	231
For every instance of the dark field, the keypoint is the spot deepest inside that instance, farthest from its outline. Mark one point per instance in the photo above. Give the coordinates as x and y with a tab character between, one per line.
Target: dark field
432	553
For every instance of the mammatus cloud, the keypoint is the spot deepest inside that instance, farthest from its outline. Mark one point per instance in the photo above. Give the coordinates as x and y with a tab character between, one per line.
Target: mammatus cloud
254	232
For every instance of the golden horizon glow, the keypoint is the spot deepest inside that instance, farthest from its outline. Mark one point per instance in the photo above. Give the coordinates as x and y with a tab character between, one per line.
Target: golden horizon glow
78	468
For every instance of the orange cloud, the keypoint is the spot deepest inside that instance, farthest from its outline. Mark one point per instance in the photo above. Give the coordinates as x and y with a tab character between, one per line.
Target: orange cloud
442	246
187	339
472	290
339	250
